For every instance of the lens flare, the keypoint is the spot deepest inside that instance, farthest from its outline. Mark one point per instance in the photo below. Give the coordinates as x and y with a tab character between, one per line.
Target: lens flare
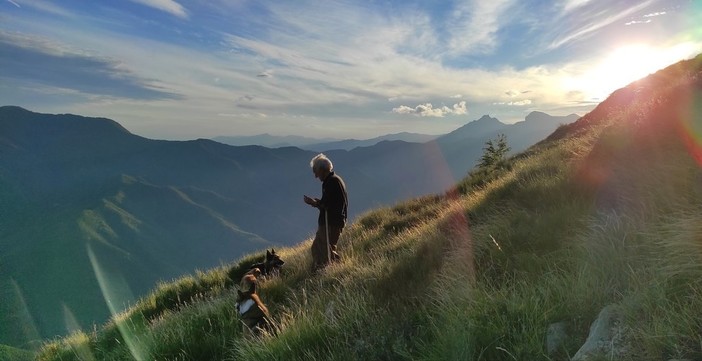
691	127
115	290
80	346
25	324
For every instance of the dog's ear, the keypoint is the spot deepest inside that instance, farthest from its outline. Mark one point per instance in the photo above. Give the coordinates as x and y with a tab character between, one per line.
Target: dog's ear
268	254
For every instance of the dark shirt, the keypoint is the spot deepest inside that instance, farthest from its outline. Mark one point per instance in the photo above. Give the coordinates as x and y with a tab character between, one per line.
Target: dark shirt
334	201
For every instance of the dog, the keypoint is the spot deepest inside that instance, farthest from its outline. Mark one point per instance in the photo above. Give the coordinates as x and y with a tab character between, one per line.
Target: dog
271	266
253	313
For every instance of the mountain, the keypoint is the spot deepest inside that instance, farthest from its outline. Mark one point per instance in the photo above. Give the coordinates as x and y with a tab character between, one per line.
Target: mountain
79	191
584	247
462	147
350	144
318	145
88	209
271	141
481	128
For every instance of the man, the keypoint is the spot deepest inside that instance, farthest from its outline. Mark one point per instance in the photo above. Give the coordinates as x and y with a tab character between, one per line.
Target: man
332	211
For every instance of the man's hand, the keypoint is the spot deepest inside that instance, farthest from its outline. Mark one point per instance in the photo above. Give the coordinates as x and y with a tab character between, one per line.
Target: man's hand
311	201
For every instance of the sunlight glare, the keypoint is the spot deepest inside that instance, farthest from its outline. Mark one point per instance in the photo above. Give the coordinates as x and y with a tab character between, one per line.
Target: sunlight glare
627	64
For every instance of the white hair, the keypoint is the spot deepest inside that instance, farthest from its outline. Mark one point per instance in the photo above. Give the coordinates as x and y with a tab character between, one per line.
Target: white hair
320	161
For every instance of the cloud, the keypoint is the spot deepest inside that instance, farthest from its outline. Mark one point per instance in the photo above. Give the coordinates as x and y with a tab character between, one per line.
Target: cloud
242	115
44	6
646	18
655	14
637	22
168	6
571	5
515	103
32	60
589	22
328	61
14	3
513	93
473	25
428	110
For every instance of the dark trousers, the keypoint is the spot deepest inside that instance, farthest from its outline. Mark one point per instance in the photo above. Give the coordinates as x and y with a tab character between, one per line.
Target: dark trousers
319	246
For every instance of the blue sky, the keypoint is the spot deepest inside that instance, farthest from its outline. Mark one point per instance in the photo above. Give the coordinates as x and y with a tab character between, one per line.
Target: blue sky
180	69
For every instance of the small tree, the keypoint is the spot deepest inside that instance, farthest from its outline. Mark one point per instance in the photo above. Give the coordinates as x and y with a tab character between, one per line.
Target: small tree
493	158
494	152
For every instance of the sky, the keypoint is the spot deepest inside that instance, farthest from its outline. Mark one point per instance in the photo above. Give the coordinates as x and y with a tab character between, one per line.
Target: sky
181	69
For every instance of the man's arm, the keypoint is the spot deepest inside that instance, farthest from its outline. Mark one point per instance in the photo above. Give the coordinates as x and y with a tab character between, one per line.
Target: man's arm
314	202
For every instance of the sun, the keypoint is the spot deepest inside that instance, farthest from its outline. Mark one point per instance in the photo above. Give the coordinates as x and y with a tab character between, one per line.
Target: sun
626	64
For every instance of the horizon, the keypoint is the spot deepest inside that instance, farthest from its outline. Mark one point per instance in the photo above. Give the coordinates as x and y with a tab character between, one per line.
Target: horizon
180	70
322	139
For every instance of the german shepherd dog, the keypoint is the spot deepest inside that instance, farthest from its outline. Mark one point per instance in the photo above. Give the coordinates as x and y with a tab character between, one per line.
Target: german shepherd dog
253	313
271	266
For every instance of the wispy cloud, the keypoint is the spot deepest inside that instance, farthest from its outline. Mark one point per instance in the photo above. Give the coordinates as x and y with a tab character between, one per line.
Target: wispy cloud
646	19
168	6
570	5
28	59
591	21
633	22
473	25
512	93
44	6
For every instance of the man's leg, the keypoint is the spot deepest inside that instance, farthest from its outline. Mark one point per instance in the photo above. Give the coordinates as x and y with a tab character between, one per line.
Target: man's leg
319	250
334	234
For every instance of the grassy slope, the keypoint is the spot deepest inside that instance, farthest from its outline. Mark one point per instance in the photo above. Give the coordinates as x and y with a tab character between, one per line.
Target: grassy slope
14	354
608	211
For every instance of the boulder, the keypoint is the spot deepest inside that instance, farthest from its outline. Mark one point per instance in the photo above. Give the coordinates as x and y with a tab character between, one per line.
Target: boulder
606	338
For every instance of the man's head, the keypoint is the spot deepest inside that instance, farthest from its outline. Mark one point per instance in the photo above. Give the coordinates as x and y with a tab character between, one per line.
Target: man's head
321	166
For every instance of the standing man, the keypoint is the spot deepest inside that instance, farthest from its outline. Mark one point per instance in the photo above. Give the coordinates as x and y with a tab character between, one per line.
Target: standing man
332	212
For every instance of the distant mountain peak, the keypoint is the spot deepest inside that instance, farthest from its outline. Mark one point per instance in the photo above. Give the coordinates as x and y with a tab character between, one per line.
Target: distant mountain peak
537	116
487	118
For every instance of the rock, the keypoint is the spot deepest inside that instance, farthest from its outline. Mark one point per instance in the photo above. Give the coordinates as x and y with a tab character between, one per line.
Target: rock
555	337
606	337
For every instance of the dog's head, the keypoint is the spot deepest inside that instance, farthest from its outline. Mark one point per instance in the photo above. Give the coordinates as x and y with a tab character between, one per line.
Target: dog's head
273	261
